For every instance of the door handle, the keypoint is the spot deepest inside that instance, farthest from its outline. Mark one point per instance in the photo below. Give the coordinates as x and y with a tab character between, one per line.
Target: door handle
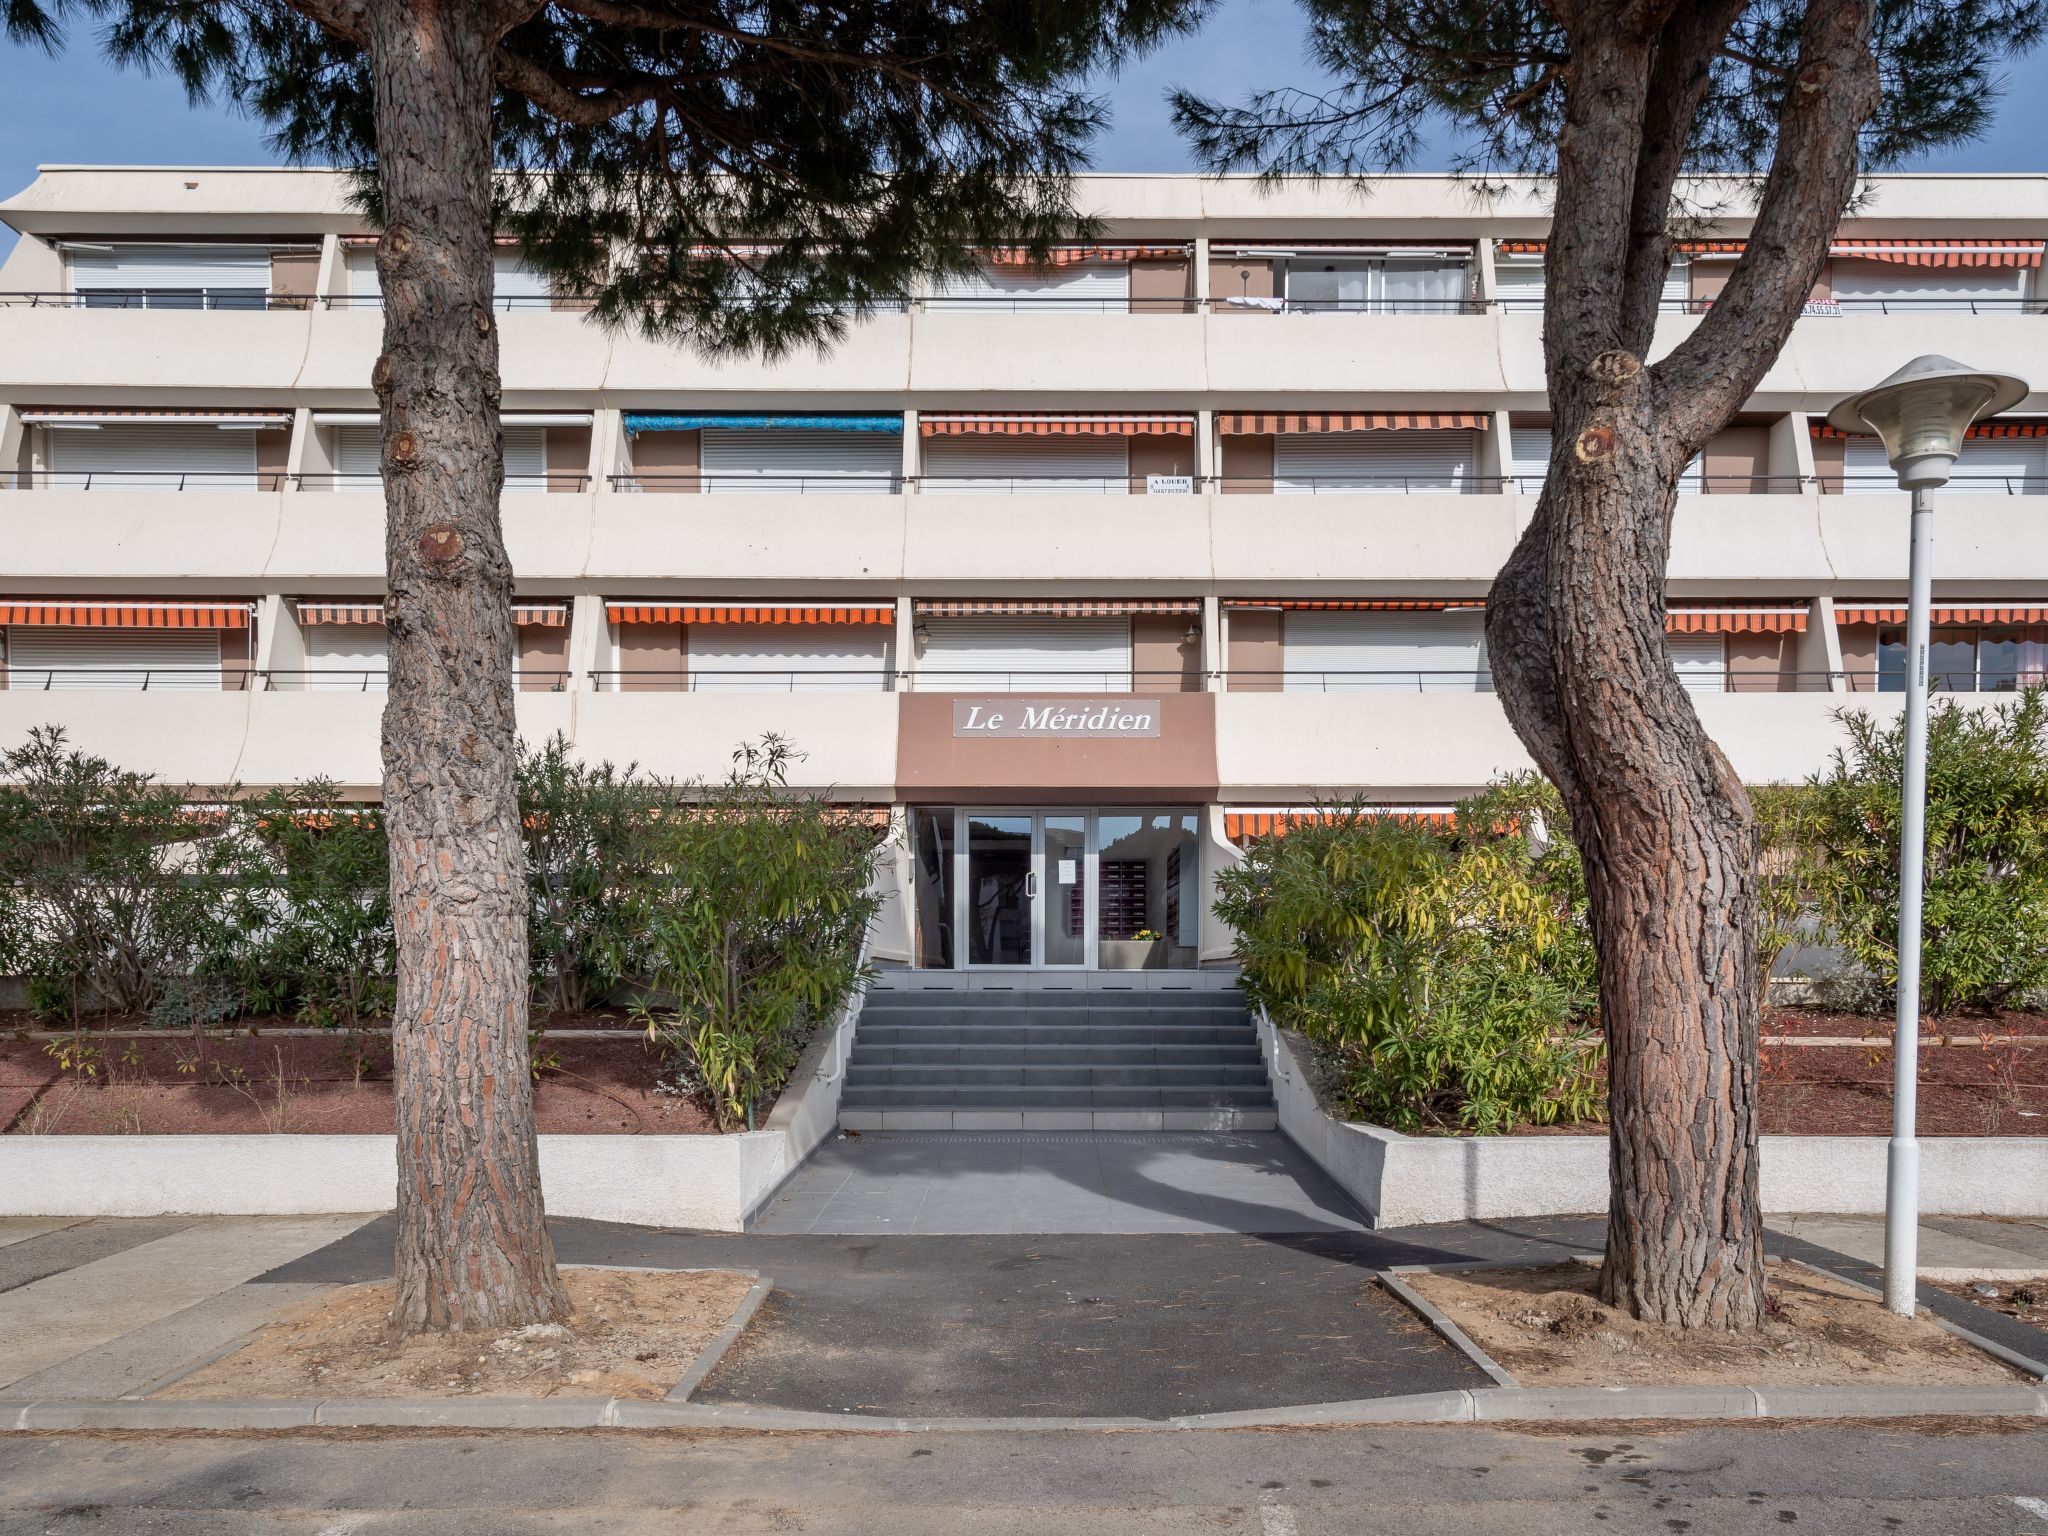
1031	884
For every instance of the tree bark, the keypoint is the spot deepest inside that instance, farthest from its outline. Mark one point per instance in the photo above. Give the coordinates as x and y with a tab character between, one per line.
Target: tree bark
1575	623
473	1248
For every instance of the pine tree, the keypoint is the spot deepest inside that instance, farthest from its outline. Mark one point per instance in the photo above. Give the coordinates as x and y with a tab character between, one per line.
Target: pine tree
1624	100
734	174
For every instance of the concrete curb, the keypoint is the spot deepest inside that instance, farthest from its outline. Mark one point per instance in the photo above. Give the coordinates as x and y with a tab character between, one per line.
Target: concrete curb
2012	1357
1502	1405
708	1358
1438	1319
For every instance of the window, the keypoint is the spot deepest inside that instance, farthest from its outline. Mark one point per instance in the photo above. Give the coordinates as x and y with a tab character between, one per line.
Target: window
812	461
359	461
1442	652
1090	286
1438	460
982	656
788	658
349	658
1701	662
1087	465
513	284
1869	287
1379	285
1967	659
172	277
1988	466
63	659
152	456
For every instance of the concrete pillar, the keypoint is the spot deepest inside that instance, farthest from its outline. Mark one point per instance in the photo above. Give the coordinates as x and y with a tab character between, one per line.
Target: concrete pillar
911	457
906	643
331	276
891	940
12	436
1201	269
1487	288
301	443
280	643
1791	450
1212	643
1207	467
610	454
1219	939
589	639
1820	648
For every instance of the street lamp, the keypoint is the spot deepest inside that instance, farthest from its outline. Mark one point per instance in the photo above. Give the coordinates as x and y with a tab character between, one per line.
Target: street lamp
1921	413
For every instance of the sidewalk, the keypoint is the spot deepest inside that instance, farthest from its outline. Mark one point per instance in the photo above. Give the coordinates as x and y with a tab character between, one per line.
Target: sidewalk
1130	1327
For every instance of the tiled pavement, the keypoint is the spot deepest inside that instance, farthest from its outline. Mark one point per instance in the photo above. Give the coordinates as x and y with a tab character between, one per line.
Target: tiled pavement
1075	1182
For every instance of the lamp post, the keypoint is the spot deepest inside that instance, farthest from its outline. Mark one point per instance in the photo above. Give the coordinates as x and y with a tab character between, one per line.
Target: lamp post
1921	413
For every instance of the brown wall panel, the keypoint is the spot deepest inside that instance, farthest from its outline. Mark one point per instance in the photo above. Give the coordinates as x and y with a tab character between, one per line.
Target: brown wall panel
1763	663
1162	656
651	658
1252	656
1162	285
1247	464
544	656
293	273
664	454
1736	461
933	764
567	459
1160	456
1231	278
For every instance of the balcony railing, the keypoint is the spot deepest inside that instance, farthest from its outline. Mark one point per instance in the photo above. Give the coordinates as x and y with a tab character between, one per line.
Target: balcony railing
1030	303
244	480
746	680
145	679
809	483
369	679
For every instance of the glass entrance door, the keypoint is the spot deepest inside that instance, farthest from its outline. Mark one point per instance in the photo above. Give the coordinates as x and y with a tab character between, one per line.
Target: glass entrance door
1001	888
1069	889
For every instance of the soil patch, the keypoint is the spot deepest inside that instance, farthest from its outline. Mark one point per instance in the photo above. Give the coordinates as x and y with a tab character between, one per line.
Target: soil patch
1547	1328
329	1085
633	1334
2024	1300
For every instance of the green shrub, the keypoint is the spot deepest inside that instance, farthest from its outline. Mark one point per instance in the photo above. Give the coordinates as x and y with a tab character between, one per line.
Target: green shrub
592	867
756	935
306	882
1985	906
1788	876
109	881
1446	973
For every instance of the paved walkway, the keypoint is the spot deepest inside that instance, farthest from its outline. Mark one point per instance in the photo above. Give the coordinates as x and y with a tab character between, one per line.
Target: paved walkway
1080	1181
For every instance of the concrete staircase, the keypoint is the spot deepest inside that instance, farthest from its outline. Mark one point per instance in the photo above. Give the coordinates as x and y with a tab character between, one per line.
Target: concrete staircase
1065	1057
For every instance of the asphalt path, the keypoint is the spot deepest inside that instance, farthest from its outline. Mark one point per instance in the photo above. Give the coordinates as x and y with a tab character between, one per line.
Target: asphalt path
1945	1478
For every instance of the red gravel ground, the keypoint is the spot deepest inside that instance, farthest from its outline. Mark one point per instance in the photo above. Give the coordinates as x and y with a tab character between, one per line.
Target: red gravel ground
170	1085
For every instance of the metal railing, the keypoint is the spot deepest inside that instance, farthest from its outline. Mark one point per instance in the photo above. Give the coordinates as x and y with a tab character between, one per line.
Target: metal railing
1029	303
186	679
245	480
745	680
368	679
806	483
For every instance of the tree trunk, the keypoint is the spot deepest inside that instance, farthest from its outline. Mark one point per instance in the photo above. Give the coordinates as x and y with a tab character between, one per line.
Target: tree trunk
473	1249
1669	846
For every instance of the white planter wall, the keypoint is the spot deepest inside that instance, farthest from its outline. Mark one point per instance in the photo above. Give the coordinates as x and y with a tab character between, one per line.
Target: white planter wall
1415	1180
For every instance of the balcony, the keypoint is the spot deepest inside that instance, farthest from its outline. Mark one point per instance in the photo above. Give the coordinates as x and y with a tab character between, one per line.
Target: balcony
1294	746
213	740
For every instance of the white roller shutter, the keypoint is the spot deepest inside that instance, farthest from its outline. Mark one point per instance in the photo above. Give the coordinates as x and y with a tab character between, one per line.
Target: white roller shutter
526	458
1095	286
994	656
348	658
1519	285
168	277
1091	465
153	456
1865	289
812	461
61	659
1701	661
1385	653
516	286
1677	293
1365	461
358	456
795	658
363	281
1529	452
2002	466
1865	468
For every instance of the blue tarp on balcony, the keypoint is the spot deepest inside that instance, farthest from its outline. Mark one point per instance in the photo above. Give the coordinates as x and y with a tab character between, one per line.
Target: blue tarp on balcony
661	421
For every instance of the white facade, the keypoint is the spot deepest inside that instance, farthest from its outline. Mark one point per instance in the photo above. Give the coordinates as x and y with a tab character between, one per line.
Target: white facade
1256	455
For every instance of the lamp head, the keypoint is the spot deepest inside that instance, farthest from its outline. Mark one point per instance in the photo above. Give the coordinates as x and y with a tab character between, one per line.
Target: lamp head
1922	411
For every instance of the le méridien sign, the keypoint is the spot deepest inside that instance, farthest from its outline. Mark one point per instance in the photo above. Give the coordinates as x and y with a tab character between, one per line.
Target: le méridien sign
1011	718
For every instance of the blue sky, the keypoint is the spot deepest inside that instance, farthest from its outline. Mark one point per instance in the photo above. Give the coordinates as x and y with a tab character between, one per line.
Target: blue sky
77	108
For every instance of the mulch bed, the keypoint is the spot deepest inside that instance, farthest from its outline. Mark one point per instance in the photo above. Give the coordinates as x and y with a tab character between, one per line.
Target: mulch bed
325	1085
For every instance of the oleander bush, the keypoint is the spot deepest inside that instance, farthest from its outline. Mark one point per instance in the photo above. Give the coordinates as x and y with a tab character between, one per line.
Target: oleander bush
1985	902
1445	973
755	937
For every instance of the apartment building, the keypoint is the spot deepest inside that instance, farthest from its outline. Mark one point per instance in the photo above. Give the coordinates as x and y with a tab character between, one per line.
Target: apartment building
1087	572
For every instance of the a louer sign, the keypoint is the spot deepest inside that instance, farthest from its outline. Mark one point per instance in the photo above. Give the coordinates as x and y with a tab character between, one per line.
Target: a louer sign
1055	719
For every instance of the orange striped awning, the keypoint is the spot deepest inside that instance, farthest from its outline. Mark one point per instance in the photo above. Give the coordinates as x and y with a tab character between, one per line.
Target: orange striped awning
750	613
1056	424
540	615
1245	825
1078	255
1735	618
1967	251
1055	607
341	610
2021	428
90	614
1952	252
1362	604
1267	423
1944	613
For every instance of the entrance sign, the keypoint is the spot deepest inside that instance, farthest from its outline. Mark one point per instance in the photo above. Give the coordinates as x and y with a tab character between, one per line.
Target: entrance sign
1009	718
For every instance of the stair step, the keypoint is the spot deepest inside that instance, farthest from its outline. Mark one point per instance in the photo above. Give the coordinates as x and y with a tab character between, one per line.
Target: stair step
864	1097
978	1054
1035	1035
1152	1075
1073	998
